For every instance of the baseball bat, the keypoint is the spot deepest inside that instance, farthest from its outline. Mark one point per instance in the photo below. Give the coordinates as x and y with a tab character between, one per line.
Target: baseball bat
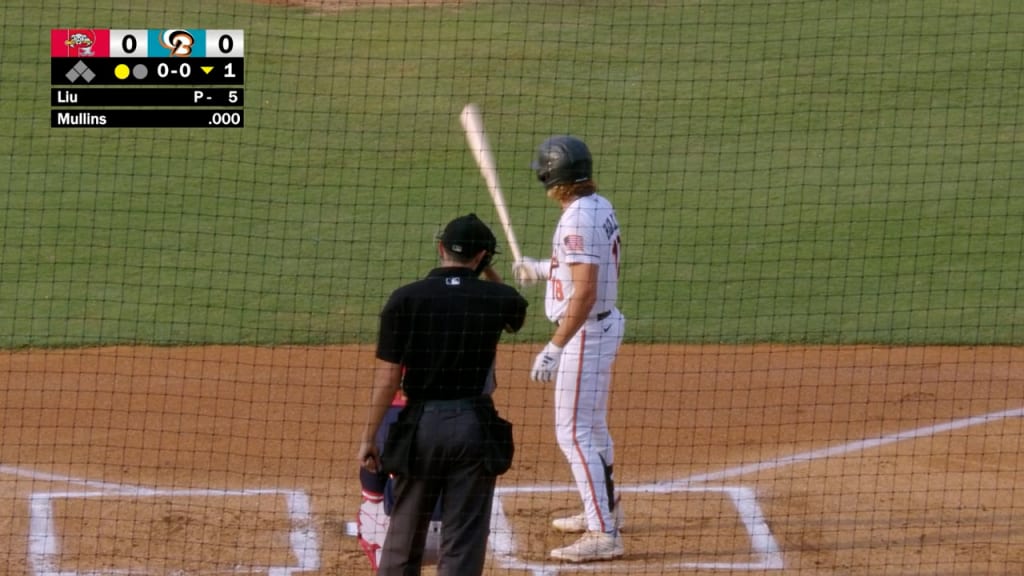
473	124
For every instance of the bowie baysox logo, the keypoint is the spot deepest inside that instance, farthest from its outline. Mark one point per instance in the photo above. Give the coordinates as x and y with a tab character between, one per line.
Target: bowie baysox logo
179	42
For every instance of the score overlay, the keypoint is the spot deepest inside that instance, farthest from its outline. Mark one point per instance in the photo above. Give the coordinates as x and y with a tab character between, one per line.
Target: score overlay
176	77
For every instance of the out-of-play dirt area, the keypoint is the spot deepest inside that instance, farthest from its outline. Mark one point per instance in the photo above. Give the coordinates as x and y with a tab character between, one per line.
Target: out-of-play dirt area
774	459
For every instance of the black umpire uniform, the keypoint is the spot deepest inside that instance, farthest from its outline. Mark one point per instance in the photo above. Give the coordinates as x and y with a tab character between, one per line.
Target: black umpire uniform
438	338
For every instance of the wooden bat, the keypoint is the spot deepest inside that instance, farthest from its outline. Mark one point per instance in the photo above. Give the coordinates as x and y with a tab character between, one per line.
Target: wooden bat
473	124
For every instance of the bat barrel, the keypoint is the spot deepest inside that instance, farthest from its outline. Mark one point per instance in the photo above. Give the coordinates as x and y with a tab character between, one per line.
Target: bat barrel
473	125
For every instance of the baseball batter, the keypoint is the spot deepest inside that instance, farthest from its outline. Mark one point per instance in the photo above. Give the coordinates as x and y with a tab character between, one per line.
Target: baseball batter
582	288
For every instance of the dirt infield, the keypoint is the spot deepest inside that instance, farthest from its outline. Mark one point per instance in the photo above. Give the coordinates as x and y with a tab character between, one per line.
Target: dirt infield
224	460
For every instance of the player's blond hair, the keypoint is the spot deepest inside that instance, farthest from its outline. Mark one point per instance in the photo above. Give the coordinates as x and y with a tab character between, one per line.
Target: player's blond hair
569	190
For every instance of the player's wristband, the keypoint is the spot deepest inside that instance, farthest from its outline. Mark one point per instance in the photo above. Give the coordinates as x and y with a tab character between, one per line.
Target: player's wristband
542	269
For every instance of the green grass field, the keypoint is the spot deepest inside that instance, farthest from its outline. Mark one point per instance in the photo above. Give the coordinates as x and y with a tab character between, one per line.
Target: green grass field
791	171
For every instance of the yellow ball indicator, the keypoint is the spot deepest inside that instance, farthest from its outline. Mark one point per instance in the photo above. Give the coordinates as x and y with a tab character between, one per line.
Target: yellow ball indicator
121	71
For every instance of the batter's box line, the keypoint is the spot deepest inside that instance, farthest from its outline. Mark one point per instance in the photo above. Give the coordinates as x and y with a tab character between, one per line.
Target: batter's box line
767	555
44	540
770	557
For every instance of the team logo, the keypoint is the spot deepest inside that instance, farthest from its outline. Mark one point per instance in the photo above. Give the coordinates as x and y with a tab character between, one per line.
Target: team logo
79	43
179	42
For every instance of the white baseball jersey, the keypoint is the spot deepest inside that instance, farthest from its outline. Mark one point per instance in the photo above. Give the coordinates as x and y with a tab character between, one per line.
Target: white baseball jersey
587	233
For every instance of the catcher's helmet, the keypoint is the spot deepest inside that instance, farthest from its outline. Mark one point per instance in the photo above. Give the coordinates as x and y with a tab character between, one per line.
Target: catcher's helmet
563	159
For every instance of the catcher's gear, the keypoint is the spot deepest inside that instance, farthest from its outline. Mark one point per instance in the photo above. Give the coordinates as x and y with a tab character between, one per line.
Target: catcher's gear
374	514
529	271
563	160
546	363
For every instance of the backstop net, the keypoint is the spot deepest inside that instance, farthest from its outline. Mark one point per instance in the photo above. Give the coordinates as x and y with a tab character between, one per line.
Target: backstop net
817	255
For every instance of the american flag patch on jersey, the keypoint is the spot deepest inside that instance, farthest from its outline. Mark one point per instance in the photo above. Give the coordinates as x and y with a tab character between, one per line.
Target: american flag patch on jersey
573	243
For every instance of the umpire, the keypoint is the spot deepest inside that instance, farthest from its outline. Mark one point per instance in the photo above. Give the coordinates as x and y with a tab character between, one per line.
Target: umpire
438	341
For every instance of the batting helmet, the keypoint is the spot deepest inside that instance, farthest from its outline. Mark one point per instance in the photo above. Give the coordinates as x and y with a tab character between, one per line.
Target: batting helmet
561	160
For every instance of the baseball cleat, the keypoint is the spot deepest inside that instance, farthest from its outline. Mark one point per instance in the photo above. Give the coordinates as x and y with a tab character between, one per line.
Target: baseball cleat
578	524
590	547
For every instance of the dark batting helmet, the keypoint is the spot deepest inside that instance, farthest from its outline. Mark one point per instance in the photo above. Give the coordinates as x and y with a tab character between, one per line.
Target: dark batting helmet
563	160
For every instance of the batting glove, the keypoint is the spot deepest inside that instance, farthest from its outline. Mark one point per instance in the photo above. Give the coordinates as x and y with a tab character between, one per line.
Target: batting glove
528	271
546	364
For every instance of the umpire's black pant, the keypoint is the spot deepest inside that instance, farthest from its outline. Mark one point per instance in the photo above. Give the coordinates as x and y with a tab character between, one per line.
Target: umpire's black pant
447	465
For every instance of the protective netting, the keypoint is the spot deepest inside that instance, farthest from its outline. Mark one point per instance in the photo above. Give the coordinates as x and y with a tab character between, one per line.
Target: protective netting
821	265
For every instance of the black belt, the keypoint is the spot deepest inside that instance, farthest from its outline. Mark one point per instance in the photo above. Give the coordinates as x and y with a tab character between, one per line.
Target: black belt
456	404
599	317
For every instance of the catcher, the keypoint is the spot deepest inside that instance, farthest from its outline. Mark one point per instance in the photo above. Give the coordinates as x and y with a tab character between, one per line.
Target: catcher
378	498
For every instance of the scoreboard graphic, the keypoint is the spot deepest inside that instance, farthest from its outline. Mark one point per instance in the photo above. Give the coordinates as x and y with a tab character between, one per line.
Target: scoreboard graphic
176	77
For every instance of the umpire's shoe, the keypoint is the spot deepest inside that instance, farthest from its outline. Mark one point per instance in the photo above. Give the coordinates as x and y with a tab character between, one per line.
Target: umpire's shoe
578	524
592	546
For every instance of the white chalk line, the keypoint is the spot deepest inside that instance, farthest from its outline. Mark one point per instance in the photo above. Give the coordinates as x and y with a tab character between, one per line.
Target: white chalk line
48	477
765	550
839	450
305	541
43	539
767	553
